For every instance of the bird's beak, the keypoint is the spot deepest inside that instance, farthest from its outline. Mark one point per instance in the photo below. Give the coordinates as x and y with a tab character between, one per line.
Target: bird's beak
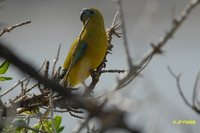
83	14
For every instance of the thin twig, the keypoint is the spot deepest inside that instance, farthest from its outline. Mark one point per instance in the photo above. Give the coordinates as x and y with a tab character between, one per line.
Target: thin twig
19	82
23	94
157	47
196	92
84	124
27	68
132	74
46	70
112	71
115	19
124	33
13	27
177	78
75	115
55	61
35	130
51	106
175	26
14	86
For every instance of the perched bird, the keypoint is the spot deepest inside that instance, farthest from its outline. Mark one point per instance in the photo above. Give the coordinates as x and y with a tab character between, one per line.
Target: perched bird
88	50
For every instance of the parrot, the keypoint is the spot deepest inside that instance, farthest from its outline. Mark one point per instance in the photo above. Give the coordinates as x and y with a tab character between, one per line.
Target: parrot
88	49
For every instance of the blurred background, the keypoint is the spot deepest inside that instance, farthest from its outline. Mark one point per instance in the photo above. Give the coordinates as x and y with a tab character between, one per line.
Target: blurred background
152	100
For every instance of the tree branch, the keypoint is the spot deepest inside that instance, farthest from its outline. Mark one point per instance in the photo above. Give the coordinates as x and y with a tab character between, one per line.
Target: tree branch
177	78
157	47
25	67
13	27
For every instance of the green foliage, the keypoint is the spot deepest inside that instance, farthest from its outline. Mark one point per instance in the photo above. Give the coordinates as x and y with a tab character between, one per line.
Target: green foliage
17	126
3	69
20	126
47	126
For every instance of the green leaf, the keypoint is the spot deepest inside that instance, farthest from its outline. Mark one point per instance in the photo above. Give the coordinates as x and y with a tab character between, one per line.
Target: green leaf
60	129
4	67
46	126
5	78
37	126
57	121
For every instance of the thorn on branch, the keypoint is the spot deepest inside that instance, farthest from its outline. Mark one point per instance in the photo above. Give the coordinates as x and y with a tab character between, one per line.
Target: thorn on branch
156	49
175	21
157	46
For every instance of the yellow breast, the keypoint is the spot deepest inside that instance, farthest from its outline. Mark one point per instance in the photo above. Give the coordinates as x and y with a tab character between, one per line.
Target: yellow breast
94	35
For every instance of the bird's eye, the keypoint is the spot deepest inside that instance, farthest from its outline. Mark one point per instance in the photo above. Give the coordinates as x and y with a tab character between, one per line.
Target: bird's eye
91	12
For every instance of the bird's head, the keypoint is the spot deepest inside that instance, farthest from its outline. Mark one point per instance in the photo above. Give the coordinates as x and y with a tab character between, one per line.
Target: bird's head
90	14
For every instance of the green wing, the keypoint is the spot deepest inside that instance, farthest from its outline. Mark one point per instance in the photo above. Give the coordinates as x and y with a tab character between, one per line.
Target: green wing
78	53
76	56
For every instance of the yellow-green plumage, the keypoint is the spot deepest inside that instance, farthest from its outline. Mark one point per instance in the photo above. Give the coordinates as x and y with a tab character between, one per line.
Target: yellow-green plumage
88	50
